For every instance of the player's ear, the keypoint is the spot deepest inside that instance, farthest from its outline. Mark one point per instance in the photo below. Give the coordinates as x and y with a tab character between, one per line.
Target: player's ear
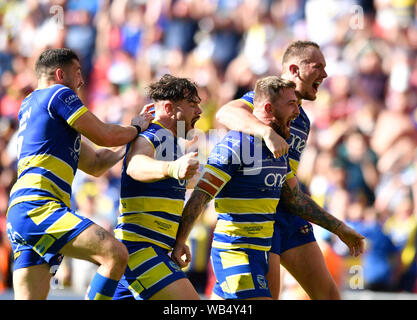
169	108
268	107
59	74
294	69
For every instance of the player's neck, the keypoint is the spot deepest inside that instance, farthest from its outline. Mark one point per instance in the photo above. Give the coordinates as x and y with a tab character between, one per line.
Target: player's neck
264	118
44	83
167	123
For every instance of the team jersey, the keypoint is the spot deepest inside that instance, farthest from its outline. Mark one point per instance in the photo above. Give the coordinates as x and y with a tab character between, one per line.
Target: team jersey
151	211
299	130
47	165
245	180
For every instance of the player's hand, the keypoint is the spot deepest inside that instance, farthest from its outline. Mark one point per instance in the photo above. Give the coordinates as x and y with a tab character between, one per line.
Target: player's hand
148	108
354	240
142	120
275	143
185	167
178	252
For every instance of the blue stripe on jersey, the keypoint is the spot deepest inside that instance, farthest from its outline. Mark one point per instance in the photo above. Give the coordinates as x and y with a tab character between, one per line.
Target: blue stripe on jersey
239	217
160	214
147	233
243	242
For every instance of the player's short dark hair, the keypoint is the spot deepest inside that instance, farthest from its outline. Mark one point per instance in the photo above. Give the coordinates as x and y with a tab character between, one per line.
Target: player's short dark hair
174	89
298	49
52	59
270	88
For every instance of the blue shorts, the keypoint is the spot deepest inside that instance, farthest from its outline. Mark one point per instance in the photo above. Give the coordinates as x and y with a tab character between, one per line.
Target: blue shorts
38	230
290	231
148	271
240	273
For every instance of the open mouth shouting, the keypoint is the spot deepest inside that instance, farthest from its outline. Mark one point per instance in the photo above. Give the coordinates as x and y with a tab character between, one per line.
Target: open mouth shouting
194	121
316	85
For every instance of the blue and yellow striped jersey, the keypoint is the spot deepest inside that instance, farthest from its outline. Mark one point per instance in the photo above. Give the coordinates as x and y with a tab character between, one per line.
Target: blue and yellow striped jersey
299	129
48	147
246	180
151	211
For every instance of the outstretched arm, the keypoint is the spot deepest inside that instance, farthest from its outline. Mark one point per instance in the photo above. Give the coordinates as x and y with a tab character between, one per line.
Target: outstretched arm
300	204
236	115
108	134
97	161
192	210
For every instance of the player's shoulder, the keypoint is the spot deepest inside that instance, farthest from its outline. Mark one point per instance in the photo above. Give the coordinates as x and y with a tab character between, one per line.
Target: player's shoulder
156	133
57	95
247	98
232	139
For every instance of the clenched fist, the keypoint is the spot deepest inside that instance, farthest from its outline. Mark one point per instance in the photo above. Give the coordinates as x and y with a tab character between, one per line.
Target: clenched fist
185	167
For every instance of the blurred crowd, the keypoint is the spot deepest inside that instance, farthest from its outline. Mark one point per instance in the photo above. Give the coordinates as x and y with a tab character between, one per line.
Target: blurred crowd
360	161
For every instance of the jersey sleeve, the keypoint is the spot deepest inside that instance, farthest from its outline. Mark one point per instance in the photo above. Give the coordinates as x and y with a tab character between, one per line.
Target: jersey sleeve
66	104
151	138
247	98
291	172
292	168
222	162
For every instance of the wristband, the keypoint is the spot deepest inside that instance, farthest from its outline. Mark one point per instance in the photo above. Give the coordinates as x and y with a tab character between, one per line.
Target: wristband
137	128
174	169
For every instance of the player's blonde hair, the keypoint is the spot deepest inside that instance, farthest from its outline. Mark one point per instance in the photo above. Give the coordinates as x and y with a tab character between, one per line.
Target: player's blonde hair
269	88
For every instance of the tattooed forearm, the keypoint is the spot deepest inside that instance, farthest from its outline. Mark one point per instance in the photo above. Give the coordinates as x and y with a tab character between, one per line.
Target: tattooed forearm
300	204
191	212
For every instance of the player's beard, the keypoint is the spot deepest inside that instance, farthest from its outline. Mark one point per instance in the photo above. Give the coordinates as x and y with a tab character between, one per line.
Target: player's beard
280	128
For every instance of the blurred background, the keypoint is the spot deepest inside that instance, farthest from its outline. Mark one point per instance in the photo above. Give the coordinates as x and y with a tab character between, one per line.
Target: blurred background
360	160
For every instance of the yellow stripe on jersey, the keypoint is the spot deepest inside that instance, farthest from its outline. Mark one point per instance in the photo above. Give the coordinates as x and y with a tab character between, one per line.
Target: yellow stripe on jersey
247	103
157	224
227	245
245	229
43	212
76	115
234	205
38	181
293	166
136	287
60	168
28	198
219	173
238	282
100	296
154	275
159	124
150	204
67	222
140	256
231	259
133	236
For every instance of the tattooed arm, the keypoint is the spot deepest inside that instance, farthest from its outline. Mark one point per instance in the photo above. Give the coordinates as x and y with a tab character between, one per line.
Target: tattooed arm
300	204
192	210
